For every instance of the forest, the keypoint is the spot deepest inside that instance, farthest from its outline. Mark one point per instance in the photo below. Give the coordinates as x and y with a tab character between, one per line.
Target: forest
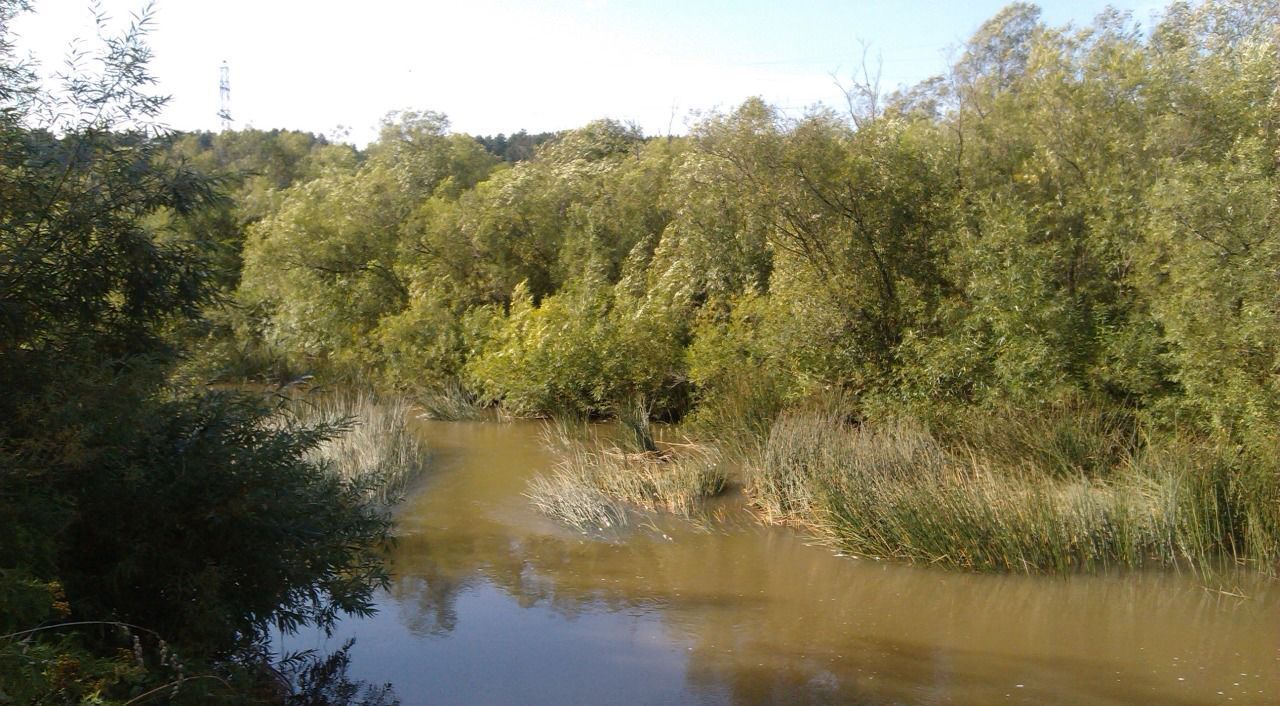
1022	316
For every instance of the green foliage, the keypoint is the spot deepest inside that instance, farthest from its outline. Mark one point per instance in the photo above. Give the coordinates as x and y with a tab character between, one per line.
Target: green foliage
518	147
48	667
125	498
1074	224
252	167
739	374
581	351
205	522
424	346
325	267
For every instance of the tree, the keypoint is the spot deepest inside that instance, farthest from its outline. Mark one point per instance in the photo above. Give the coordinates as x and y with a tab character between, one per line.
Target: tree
328	264
123	499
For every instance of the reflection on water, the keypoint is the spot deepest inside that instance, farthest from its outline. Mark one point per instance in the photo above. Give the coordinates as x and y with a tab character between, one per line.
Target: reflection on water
494	604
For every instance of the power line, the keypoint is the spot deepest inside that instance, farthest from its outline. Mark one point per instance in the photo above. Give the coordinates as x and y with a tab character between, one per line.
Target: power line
224	92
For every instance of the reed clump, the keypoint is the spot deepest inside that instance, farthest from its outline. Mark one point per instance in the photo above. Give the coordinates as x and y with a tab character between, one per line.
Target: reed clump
892	489
595	482
739	414
375	446
450	402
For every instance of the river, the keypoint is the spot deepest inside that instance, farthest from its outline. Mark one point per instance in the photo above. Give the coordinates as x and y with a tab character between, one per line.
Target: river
493	604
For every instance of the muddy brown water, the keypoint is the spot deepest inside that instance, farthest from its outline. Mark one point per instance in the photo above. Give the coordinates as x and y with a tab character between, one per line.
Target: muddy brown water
493	604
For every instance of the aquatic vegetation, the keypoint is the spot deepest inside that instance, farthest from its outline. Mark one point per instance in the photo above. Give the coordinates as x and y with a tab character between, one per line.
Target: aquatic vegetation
376	445
450	402
891	489
634	417
595	482
574	499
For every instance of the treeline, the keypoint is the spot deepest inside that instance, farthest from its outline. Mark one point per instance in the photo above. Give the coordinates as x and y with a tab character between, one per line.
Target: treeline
1068	213
518	147
1075	224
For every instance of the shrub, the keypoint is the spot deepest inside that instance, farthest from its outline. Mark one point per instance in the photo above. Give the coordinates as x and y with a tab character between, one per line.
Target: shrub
580	351
209	520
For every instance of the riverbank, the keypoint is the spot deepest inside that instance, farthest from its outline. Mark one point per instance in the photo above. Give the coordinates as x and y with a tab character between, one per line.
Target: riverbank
894	490
1073	489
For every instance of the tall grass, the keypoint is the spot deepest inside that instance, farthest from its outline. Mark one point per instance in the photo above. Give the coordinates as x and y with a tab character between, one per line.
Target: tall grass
1069	438
633	417
379	448
739	414
450	402
893	490
1223	499
595	482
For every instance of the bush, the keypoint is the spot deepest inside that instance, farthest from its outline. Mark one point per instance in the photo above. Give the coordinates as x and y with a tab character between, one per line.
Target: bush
207	520
580	351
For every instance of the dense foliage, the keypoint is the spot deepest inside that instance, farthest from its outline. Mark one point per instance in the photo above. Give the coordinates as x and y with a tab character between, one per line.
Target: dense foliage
1069	212
1076	223
142	518
1047	278
516	147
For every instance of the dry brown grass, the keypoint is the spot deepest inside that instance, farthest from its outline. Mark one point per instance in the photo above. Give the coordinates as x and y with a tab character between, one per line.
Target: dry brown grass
595	483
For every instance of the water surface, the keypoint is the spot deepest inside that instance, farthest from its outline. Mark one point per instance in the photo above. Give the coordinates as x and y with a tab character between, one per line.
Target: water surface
493	604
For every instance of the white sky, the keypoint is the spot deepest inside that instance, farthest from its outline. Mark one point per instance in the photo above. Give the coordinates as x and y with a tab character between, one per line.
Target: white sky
503	65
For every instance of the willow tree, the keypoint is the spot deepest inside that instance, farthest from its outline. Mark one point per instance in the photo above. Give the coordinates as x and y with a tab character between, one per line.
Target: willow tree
325	266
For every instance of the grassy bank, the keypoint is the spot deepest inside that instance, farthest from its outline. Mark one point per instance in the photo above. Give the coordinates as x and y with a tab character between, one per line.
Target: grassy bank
596	482
1083	498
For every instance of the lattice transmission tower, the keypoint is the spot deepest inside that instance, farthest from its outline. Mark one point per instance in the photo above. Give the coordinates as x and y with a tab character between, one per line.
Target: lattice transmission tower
224	94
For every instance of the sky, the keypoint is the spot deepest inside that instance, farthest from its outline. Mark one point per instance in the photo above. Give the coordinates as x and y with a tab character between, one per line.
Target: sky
499	66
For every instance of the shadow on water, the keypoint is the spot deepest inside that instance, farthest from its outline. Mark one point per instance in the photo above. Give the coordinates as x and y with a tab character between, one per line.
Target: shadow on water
494	604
